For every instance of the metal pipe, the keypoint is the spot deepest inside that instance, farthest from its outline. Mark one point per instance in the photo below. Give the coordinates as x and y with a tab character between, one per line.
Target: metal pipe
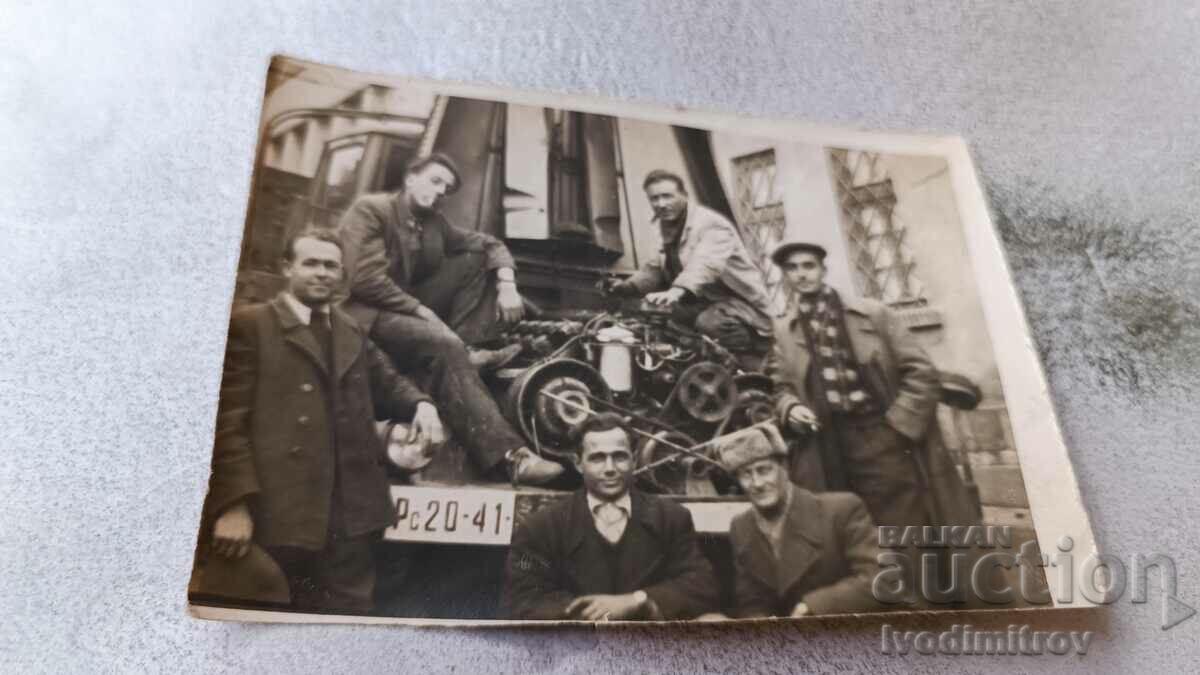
691	452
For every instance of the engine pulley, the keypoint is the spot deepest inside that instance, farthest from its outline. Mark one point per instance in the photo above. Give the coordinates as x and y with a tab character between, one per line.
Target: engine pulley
707	391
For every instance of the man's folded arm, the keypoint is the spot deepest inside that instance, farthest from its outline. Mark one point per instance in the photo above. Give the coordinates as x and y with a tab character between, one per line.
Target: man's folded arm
496	253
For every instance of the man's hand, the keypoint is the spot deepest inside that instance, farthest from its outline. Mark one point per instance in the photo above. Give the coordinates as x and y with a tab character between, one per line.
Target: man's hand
232	531
802	419
801	609
613	286
509	304
666	298
426	428
604	607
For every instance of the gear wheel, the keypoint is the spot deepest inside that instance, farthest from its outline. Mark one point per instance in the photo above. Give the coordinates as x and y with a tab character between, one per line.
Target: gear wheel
707	391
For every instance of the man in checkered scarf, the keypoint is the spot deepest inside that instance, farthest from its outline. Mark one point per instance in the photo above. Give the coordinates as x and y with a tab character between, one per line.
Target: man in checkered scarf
854	379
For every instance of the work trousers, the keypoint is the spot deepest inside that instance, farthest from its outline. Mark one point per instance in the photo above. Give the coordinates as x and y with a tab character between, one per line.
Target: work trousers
459	293
879	467
339	577
719	321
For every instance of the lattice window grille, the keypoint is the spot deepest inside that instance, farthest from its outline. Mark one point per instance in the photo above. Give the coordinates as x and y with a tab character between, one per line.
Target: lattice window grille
759	207
882	261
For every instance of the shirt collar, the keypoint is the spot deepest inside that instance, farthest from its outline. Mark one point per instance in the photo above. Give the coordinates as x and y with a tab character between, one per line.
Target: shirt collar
302	311
673	231
625	502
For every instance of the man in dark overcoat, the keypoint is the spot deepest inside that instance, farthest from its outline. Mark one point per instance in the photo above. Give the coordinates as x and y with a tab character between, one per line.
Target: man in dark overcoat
298	468
608	552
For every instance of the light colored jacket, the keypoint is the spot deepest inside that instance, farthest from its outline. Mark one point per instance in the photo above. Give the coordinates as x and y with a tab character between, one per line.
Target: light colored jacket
716	267
896	367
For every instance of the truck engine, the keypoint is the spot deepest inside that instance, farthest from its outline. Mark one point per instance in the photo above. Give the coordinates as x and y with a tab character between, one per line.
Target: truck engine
675	387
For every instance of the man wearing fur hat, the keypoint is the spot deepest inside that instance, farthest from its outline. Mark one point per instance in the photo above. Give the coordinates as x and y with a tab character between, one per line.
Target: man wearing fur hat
795	553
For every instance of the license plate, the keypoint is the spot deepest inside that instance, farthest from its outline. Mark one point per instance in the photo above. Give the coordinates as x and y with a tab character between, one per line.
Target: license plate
452	515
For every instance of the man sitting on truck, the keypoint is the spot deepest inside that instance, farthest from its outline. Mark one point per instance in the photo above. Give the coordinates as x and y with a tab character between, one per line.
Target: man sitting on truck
608	552
425	290
703	273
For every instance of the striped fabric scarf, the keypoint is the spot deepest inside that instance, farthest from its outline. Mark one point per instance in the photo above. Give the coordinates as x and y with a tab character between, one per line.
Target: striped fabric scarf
823	319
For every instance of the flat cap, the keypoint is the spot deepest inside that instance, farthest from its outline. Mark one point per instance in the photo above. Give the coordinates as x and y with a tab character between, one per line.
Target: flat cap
742	447
255	576
785	249
417	164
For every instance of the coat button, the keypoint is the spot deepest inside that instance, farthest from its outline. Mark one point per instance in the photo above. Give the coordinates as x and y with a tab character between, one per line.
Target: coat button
303	419
306	387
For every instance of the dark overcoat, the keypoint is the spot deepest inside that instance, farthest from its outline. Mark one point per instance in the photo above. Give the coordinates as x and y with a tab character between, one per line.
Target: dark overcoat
554	553
895	367
288	422
829	558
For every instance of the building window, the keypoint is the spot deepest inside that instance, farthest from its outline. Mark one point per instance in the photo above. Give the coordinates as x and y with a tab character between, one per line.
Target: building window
758	203
340	176
881	261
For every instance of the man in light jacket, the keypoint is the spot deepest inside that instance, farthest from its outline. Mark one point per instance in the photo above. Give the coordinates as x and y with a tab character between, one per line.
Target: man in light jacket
703	273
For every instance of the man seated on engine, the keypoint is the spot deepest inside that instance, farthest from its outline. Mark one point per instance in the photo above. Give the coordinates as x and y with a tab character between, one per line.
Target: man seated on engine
703	272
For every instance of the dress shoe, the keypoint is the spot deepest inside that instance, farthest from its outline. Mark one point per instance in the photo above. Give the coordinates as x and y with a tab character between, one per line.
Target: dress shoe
491	359
528	469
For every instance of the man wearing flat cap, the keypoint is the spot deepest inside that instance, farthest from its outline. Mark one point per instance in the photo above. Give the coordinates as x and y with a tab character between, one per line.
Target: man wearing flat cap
608	552
426	291
849	370
795	553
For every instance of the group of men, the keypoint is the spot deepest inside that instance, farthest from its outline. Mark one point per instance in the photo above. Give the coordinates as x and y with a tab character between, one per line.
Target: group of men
299	469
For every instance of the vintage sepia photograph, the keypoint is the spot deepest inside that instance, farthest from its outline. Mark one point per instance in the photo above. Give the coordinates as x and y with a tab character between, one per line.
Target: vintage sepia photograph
501	356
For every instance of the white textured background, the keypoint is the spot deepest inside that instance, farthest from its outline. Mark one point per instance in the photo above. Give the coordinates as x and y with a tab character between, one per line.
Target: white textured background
126	139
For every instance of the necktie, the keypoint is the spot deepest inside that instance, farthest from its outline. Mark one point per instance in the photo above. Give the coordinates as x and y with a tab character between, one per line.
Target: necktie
610	521
319	325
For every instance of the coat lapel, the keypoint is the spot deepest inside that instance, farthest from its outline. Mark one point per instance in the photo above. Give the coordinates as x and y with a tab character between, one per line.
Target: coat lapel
864	337
758	558
347	343
298	335
582	553
643	545
642	551
402	233
689	224
801	539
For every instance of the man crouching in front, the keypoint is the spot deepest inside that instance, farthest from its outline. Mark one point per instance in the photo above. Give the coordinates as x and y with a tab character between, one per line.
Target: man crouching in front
608	552
796	553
